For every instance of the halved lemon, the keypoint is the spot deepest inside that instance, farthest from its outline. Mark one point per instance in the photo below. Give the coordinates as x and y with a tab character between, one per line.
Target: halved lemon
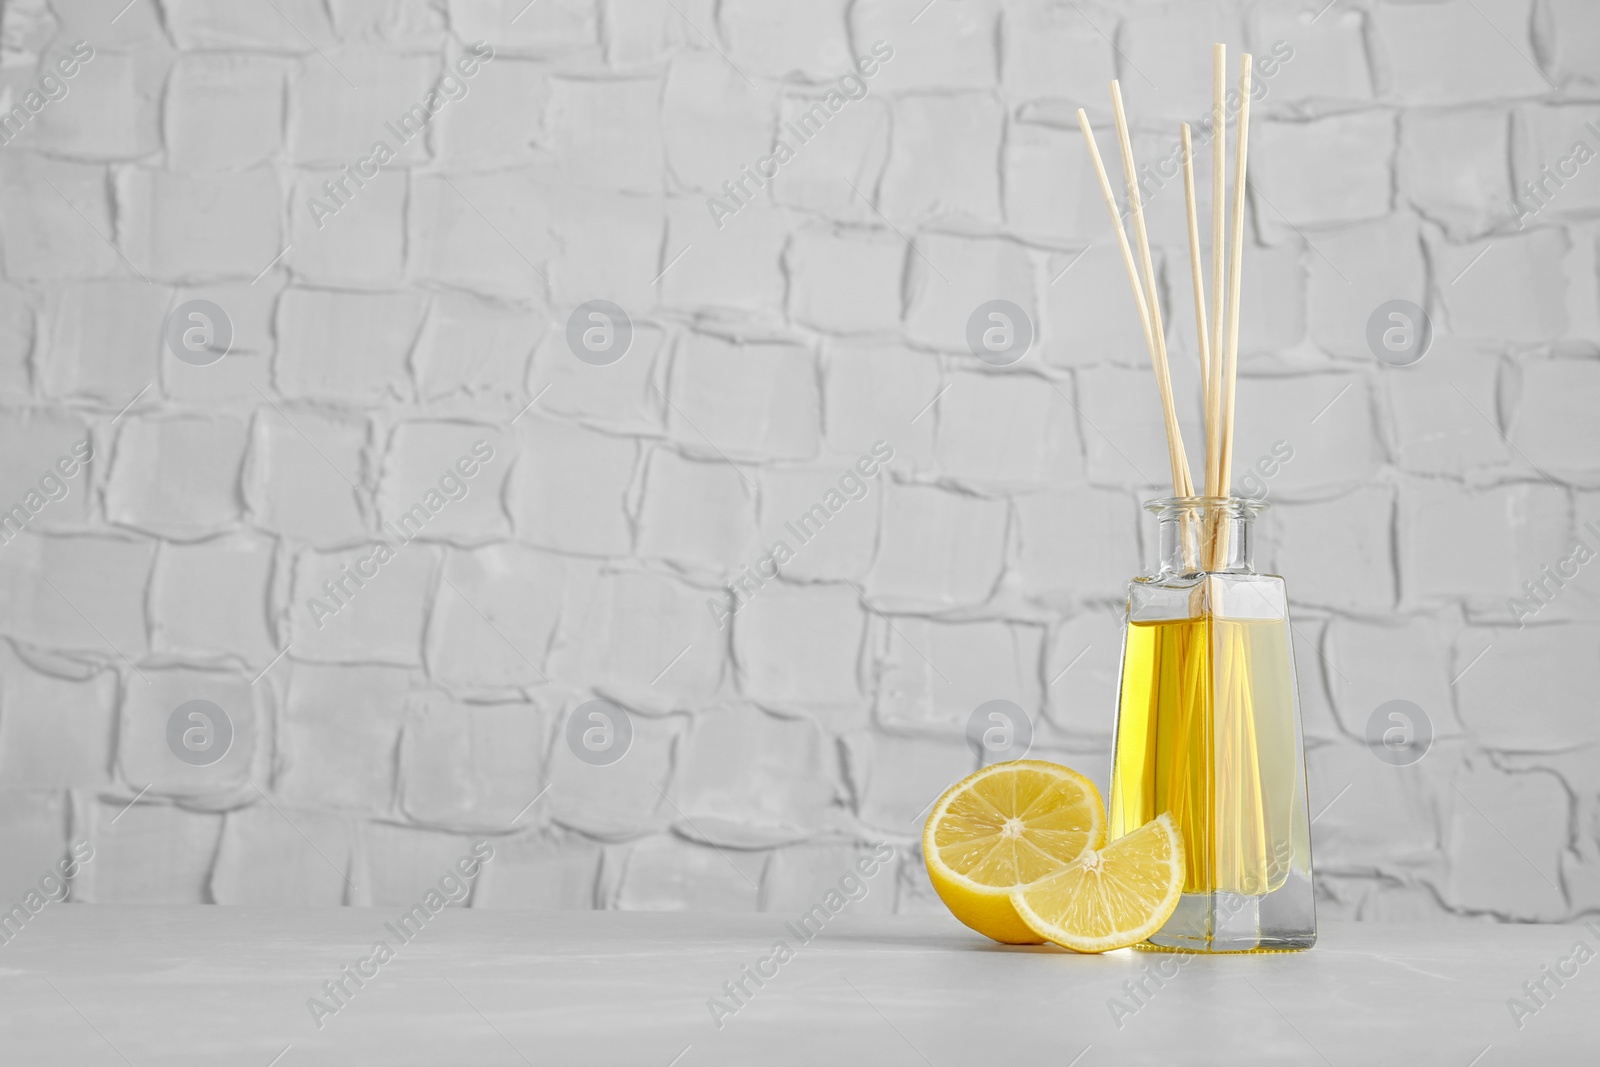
1110	897
1004	827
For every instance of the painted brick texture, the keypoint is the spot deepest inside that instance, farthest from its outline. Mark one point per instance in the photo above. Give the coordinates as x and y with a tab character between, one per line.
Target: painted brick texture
401	533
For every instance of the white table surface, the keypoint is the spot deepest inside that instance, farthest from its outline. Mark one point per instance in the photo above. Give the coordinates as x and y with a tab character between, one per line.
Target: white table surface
91	985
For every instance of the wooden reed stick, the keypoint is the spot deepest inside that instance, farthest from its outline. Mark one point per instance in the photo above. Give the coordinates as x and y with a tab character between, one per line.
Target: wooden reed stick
1195	266
1180	468
1219	148
1230	370
1122	237
1183	484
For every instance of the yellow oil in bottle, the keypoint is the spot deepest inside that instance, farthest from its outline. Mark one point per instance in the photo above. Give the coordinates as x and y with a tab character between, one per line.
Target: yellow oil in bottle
1205	731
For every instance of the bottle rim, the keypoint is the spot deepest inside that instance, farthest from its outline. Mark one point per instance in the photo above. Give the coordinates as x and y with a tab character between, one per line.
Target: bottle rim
1235	506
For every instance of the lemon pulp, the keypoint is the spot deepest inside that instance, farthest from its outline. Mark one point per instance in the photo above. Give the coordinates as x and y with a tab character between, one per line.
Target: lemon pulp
1110	897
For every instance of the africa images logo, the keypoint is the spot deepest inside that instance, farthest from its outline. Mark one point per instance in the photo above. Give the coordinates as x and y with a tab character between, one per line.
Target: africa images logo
454	485
849	88
410	125
854	484
48	90
54	485
453	887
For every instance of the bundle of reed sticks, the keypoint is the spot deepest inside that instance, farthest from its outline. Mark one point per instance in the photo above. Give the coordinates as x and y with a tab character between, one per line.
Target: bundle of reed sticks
1218	332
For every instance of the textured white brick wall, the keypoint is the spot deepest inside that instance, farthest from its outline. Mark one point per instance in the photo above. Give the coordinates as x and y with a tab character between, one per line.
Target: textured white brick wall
590	557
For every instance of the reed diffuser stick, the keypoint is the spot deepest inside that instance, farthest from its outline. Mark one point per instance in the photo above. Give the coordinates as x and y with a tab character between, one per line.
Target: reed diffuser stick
1207	523
1219	179
1230	369
1182	482
1116	224
1197	269
1174	446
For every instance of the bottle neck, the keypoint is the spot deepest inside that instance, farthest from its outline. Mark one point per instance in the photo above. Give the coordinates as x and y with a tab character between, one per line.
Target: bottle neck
1202	535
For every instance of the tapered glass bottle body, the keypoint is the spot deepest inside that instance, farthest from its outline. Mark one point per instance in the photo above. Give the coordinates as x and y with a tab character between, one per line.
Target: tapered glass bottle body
1208	730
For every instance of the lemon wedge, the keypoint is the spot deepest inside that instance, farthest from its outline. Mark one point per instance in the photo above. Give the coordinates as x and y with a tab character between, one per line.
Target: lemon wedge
1109	897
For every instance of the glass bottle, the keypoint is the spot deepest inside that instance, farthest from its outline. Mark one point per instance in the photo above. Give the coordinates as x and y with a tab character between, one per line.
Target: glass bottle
1208	729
